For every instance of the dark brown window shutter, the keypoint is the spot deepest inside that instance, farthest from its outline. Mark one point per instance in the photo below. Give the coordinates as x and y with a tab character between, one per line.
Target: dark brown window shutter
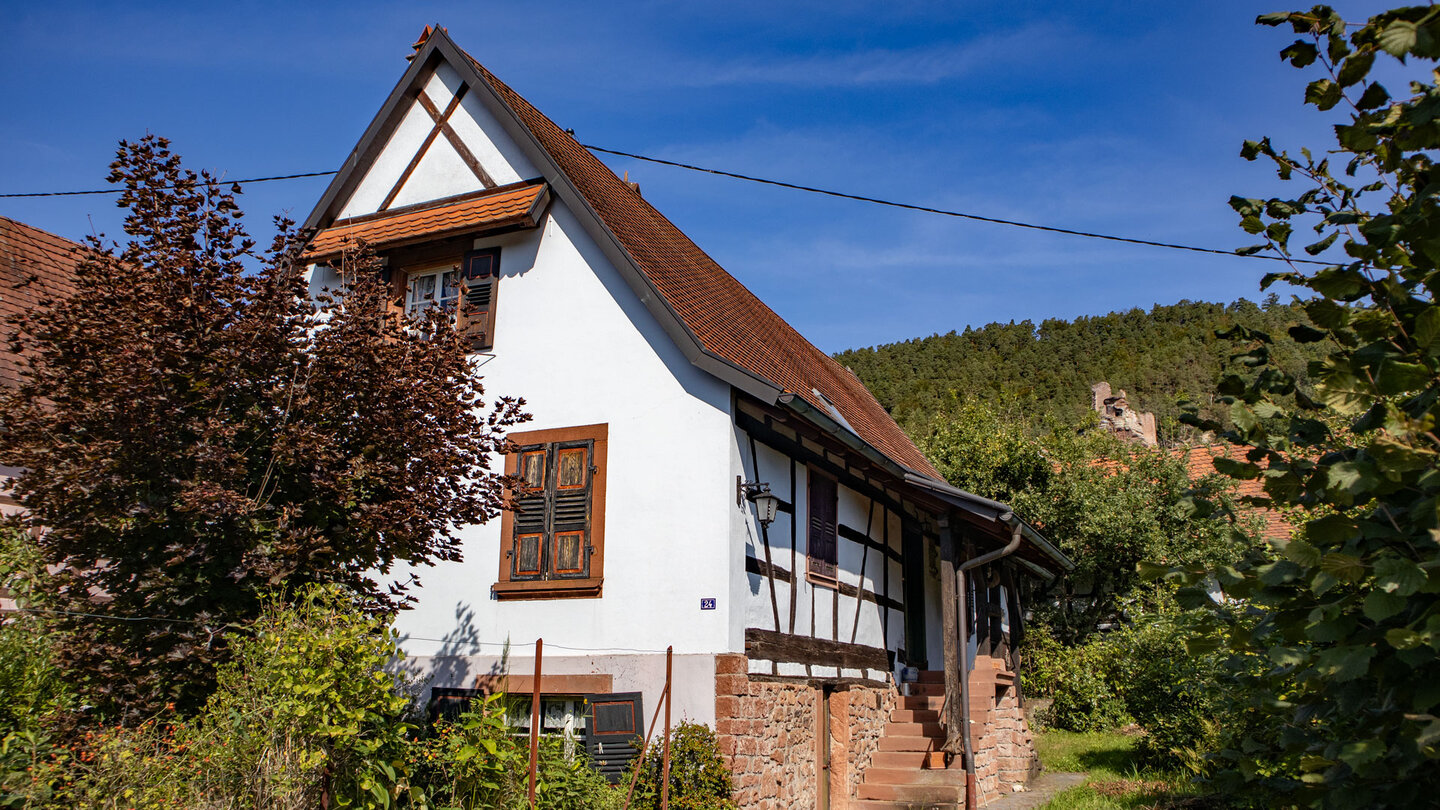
821	552
527	545
570	509
480	275
551	538
613	725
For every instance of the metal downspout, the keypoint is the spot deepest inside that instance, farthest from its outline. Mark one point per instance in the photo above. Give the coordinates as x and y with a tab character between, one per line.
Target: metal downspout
966	739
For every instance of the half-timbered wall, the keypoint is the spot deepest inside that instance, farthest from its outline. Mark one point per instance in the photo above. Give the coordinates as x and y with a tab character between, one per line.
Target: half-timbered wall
864	606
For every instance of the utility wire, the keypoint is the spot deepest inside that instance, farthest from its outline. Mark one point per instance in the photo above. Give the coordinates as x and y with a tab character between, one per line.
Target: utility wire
977	217
167	188
781	184
402	638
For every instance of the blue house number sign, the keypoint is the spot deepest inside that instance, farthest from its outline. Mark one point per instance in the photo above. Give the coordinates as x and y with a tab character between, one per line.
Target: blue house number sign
707	604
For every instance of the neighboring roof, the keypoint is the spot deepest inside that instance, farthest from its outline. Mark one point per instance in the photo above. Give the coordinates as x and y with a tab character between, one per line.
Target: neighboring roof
35	266
721	325
515	205
1200	462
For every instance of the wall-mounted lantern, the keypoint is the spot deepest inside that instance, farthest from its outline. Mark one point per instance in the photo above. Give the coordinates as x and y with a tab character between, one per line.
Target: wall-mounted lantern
766	504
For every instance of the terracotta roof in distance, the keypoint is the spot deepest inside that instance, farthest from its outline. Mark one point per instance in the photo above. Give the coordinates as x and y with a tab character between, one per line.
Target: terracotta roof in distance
515	205
35	266
1200	462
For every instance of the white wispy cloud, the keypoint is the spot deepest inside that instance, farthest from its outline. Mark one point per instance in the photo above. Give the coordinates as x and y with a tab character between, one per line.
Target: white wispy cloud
922	64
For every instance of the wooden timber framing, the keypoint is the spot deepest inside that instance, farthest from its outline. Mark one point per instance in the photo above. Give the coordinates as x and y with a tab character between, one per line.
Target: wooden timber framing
765	537
793	521
764	569
864	558
442	121
786	648
951	633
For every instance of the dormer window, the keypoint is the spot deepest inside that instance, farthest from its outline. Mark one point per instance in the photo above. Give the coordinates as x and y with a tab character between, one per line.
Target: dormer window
428	288
466	289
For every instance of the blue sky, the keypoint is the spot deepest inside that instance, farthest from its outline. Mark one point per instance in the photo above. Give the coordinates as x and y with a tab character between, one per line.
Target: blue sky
1122	117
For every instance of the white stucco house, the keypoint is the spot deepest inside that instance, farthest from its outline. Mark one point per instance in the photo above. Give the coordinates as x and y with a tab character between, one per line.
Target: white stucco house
663	393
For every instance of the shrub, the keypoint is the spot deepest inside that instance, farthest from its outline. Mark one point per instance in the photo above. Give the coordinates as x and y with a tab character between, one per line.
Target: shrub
1074	678
699	779
1142	672
477	761
306	708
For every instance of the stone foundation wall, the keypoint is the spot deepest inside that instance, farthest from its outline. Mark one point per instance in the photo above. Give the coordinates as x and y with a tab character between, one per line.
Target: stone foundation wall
1005	753
858	715
769	734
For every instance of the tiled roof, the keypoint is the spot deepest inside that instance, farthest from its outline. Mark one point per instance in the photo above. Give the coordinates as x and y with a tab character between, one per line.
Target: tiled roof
480	211
727	319
35	266
1200	461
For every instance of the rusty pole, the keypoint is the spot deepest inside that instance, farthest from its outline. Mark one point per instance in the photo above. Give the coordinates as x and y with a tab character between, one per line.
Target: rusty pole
665	772
535	720
645	746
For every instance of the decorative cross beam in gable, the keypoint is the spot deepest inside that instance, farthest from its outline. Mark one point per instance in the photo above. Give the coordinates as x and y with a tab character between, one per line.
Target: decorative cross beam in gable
441	126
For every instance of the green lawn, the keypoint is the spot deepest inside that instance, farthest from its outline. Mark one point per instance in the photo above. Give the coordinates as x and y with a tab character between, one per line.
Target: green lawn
1115	781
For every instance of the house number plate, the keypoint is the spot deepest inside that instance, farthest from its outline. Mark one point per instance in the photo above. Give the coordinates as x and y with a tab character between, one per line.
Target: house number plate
707	603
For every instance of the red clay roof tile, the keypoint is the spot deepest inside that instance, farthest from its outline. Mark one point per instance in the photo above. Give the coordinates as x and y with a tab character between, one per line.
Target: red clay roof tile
35	267
727	319
494	208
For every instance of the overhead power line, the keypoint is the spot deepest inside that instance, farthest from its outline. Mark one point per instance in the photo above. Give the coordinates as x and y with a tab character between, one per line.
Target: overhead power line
781	184
976	217
198	182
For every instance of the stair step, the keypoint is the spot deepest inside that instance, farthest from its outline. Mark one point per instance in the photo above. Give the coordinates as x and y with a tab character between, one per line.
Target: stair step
898	759
914	729
897	743
919	689
883	804
932	676
914	716
931	703
913	793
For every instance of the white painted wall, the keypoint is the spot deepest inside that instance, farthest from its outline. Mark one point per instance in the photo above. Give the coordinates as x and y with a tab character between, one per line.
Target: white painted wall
441	172
572	338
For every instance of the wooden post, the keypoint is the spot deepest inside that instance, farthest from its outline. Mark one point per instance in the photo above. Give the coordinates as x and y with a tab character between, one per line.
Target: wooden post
950	632
665	769
535	720
644	746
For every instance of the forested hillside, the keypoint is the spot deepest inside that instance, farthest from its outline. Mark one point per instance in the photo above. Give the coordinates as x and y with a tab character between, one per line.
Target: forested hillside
1158	357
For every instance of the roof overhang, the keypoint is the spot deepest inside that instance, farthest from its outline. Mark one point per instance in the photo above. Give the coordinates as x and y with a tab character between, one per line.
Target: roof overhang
1045	559
512	207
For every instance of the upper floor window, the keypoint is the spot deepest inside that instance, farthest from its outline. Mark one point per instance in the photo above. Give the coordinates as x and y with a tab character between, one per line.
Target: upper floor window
432	288
821	545
553	537
468	289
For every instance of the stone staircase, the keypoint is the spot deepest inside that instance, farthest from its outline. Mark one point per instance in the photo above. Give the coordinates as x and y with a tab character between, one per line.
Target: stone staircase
909	771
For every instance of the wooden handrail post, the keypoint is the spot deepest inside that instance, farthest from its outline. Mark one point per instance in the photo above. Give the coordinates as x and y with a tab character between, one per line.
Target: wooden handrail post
665	772
535	720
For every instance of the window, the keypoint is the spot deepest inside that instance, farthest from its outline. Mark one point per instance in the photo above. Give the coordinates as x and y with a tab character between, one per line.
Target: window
468	289
433	288
552	537
821	545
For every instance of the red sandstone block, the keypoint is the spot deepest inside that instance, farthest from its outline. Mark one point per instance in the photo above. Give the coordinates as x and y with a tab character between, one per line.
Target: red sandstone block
749	746
731	664
727	747
727	706
732	684
731	726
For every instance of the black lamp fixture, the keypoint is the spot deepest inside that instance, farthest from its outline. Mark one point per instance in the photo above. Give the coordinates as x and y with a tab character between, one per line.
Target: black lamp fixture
759	494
